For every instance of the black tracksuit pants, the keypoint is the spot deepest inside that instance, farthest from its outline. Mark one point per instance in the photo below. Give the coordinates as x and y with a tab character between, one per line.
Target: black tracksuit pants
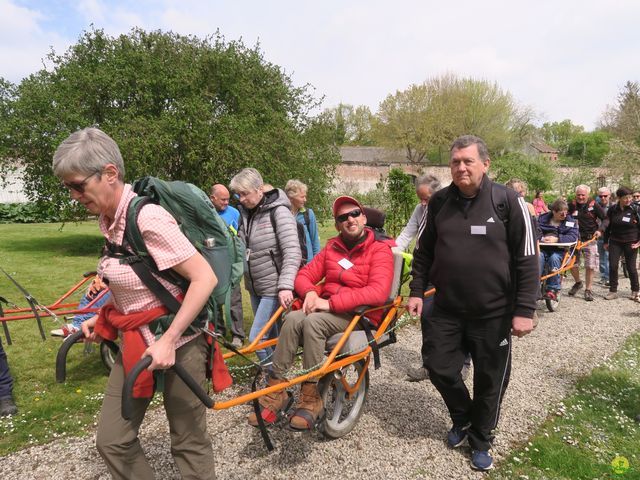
427	313
616	249
448	338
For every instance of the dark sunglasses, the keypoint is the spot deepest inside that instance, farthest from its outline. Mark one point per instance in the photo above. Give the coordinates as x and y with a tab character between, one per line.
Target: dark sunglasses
79	186
603	196
345	216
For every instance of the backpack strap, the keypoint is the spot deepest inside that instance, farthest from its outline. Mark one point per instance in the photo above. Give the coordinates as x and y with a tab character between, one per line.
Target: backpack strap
500	202
139	259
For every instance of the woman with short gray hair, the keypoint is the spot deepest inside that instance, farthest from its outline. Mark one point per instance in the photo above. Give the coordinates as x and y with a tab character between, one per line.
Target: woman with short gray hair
273	250
90	166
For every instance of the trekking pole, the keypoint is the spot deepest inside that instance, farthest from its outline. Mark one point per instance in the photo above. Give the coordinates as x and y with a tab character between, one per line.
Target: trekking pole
33	303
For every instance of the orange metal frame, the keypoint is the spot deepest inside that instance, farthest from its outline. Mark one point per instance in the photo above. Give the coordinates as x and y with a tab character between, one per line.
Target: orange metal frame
331	364
569	259
57	307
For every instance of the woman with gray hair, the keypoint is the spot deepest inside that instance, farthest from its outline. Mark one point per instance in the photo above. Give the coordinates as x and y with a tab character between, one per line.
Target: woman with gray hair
273	249
297	193
90	165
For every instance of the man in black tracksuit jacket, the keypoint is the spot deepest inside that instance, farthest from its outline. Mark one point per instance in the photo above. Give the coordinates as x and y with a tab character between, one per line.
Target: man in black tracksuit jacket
484	266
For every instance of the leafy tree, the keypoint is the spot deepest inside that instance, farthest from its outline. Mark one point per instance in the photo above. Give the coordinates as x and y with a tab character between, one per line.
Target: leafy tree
535	171
352	124
623	160
560	134
589	148
179	107
623	120
429	116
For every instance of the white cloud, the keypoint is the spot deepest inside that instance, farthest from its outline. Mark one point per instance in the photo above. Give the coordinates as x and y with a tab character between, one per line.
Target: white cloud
23	43
93	11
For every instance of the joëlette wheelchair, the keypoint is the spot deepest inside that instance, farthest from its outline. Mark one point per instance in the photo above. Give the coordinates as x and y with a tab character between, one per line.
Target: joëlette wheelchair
343	377
568	262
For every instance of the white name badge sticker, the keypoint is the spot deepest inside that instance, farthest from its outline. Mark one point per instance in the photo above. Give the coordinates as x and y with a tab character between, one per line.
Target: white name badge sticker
590	208
626	219
345	263
575	214
570	224
478	229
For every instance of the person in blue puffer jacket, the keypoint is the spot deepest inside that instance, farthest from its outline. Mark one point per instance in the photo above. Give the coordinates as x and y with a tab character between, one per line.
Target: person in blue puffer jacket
556	226
297	193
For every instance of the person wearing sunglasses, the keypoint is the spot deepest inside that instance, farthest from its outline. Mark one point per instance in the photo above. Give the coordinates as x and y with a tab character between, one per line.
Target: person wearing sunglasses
90	165
604	200
357	268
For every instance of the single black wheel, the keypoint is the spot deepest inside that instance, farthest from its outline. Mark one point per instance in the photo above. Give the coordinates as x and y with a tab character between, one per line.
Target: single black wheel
108	355
341	411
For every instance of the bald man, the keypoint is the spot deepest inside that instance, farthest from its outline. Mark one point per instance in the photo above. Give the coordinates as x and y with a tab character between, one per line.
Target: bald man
220	198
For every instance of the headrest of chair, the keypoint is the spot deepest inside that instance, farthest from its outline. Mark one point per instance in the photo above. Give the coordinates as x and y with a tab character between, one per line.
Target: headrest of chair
375	217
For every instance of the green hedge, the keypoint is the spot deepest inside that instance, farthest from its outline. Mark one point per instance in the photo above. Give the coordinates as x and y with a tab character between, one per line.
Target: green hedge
27	213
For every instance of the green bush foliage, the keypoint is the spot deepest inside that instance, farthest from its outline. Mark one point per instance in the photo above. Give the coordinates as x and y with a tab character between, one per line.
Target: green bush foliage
33	212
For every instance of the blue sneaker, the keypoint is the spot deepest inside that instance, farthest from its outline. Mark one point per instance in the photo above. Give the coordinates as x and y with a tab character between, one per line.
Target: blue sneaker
481	460
457	435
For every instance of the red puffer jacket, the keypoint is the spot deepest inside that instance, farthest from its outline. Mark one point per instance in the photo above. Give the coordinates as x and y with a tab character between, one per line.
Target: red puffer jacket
367	282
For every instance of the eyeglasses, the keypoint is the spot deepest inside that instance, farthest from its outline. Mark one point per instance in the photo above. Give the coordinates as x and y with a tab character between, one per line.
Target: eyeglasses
603	196
345	216
79	186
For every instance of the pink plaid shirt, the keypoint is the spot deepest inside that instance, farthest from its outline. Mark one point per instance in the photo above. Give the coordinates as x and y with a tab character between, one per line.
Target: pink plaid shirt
166	245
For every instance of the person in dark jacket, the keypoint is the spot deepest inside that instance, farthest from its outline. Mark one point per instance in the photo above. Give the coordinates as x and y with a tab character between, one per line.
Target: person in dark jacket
357	268
485	271
621	236
589	215
555	226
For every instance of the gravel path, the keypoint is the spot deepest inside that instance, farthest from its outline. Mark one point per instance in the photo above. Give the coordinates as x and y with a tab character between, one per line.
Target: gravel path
401	432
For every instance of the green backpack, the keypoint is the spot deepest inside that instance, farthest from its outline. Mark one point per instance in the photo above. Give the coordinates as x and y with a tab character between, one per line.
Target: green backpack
201	224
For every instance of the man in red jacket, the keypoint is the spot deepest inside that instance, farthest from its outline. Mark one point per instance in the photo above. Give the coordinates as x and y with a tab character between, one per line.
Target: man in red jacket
357	268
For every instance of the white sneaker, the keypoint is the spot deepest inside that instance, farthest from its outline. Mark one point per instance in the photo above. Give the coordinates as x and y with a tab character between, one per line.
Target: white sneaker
65	331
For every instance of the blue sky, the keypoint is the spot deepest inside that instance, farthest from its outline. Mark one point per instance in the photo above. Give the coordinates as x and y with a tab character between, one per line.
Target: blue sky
564	58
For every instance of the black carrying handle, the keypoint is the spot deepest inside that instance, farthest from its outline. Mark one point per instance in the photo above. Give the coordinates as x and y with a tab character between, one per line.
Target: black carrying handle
70	341
130	380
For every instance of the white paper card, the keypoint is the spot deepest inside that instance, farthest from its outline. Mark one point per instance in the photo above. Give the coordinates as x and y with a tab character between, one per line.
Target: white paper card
478	229
570	224
626	219
345	263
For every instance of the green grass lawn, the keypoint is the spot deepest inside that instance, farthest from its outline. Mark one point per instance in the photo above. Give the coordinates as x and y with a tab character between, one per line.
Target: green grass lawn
47	261
591	431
